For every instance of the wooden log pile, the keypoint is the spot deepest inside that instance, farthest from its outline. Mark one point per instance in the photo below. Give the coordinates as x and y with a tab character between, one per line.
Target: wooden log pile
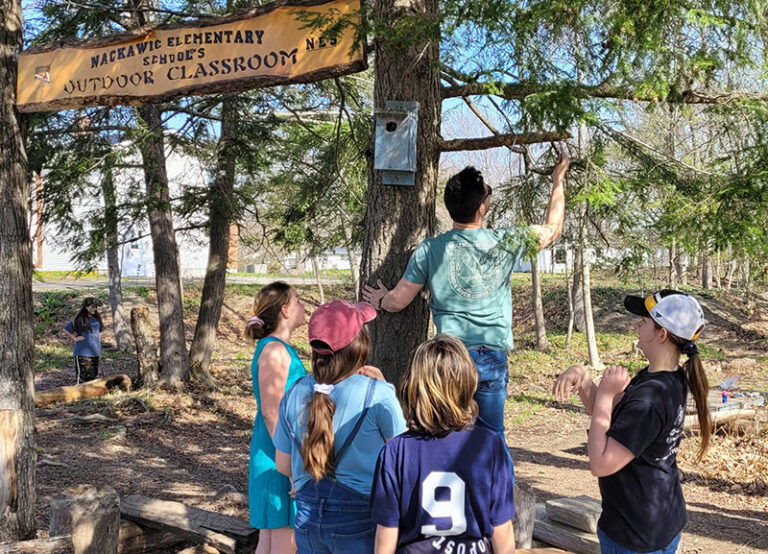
569	523
91	520
227	534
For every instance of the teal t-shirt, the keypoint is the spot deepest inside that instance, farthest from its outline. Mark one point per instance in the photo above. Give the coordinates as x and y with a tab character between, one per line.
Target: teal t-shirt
383	421
467	272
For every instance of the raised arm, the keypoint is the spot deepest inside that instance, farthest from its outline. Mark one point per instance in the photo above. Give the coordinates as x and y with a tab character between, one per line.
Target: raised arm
555	217
391	300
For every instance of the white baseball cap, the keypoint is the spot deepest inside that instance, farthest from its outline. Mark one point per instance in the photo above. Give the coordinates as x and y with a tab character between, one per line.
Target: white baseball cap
673	310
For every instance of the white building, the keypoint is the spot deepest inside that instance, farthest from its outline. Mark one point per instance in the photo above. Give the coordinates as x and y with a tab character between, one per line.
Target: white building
51	252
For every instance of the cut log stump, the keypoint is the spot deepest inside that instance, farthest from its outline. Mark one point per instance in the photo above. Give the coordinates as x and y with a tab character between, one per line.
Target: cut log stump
91	389
525	514
91	515
146	348
227	534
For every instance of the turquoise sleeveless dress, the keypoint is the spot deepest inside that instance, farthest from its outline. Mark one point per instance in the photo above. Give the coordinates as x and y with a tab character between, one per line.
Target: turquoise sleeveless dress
269	502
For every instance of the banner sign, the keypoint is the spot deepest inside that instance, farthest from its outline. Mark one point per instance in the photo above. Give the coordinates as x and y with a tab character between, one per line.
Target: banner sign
265	46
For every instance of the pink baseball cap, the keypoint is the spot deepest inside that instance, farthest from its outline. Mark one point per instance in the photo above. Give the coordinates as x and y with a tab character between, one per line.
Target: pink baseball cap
337	324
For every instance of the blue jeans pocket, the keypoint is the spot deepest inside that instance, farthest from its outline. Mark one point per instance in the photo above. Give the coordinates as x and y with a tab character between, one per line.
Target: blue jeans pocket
303	542
492	369
352	542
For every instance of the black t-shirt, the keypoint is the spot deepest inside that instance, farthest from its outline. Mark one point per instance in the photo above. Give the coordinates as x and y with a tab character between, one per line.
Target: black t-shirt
643	505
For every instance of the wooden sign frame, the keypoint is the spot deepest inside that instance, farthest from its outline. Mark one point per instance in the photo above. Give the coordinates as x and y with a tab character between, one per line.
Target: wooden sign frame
248	49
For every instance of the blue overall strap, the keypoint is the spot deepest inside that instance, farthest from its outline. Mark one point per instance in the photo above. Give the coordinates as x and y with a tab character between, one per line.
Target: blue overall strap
284	417
366	406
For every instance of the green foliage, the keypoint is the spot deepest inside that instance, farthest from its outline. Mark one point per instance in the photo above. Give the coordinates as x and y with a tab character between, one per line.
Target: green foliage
140	291
50	308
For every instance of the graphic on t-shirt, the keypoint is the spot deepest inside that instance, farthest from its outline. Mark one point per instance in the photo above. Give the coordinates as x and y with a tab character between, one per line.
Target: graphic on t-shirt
675	434
437	484
475	270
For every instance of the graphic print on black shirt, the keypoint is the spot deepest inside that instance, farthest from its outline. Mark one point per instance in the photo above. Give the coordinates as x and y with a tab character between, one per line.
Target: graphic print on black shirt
643	505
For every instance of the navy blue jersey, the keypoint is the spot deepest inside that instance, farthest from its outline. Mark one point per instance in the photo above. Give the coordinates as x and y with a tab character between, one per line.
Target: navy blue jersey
443	493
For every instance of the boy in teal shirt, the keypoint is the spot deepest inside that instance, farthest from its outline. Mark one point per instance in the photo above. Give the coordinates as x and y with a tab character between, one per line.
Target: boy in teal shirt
467	272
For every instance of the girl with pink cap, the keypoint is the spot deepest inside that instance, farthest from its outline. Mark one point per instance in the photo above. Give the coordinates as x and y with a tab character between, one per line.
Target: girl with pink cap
331	427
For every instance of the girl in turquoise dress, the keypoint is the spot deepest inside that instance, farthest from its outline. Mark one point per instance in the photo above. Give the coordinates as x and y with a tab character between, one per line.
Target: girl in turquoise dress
277	313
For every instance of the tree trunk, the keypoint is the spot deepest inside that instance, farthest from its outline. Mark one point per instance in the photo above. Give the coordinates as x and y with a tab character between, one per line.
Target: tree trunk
594	356
683	269
731	271
173	348
672	269
746	275
577	291
299	267
221	216
706	270
538	309
399	217
18	456
113	259
569	291
146	348
696	262
717	269
354	265
318	282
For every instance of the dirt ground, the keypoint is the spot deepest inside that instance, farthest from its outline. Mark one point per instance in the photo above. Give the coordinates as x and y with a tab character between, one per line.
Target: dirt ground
187	445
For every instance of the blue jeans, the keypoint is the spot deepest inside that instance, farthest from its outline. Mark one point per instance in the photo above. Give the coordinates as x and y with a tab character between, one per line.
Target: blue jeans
609	546
332	518
491	395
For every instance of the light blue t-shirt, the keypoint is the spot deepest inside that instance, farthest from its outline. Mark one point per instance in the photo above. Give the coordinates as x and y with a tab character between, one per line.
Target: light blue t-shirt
383	421
91	346
467	272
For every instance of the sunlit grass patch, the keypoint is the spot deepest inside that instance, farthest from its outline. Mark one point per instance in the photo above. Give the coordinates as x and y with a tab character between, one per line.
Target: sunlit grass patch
52	357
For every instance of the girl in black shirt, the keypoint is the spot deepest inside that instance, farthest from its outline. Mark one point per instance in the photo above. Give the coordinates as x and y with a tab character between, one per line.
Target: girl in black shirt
637	426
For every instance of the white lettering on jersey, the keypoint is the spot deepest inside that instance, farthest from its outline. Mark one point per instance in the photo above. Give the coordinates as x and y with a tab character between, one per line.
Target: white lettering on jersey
452	508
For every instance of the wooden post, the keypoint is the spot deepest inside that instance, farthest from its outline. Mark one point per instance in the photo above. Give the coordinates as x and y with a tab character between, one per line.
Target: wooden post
146	348
525	514
91	515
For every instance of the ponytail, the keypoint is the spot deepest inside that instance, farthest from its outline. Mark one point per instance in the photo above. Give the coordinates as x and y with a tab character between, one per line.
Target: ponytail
699	387
697	383
318	446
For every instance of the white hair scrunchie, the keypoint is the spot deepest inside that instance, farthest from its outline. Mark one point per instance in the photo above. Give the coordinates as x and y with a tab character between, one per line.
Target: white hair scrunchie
256	320
322	388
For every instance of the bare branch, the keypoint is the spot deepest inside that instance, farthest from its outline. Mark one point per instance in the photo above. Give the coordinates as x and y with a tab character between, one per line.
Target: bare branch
519	91
508	139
